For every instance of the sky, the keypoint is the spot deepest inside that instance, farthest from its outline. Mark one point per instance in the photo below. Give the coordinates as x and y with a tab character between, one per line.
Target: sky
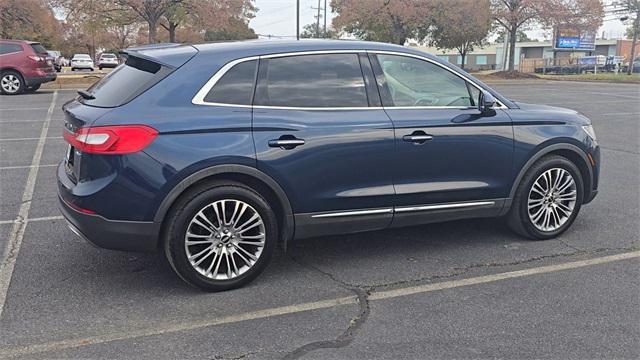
278	18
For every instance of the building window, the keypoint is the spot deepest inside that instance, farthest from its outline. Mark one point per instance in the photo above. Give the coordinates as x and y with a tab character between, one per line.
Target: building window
459	60
481	59
444	57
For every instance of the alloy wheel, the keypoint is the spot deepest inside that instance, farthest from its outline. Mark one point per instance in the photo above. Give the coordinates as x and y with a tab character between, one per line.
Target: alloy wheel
10	83
552	199
225	239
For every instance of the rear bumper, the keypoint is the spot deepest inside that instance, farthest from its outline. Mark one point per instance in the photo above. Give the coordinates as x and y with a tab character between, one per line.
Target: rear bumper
100	231
108	65
41	79
110	234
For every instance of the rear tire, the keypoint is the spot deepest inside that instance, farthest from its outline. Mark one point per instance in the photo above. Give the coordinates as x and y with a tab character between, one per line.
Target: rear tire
548	199
11	82
32	89
219	255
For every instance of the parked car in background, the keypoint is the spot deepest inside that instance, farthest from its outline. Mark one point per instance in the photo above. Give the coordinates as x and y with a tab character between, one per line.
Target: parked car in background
107	60
81	61
55	58
24	66
217	153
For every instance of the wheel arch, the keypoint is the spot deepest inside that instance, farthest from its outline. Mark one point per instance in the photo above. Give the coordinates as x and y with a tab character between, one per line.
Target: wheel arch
569	151
247	175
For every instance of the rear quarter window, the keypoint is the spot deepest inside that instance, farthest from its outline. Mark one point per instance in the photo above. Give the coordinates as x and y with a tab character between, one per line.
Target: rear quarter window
126	82
39	49
235	87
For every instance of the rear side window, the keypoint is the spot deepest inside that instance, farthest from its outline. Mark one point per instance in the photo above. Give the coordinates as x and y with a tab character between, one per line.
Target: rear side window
322	80
235	87
39	49
9	48
126	82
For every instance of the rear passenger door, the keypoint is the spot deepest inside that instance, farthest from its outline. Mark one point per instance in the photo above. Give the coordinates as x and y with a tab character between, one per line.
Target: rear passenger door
320	132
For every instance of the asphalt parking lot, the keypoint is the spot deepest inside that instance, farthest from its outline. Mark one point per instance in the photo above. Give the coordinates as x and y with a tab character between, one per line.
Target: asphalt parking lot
464	289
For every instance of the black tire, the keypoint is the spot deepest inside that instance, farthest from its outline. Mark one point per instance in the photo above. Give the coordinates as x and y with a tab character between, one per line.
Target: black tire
14	75
518	217
100	67
188	205
73	69
32	89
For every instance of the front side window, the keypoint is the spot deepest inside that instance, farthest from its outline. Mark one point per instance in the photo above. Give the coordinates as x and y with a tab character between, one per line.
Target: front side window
235	87
319	80
414	82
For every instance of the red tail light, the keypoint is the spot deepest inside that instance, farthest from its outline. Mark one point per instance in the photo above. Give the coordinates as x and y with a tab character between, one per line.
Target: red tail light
111	140
37	58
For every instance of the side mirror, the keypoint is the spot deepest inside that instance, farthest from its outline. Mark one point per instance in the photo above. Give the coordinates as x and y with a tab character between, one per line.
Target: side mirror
486	102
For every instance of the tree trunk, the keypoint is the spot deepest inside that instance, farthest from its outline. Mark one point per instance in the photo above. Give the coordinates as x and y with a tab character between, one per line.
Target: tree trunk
172	32
153	28
462	56
513	34
636	25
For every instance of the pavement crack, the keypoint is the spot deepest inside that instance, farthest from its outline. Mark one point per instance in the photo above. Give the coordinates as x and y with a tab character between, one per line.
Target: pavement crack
355	323
343	339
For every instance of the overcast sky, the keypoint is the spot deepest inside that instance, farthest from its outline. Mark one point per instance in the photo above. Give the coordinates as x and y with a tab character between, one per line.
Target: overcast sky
278	17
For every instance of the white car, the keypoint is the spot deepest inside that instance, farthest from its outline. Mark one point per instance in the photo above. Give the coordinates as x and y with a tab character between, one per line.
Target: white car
81	61
107	60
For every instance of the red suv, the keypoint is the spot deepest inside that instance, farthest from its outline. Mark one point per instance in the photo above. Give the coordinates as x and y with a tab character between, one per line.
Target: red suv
24	65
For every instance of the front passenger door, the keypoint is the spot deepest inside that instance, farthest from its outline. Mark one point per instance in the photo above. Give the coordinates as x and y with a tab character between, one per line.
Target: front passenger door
447	152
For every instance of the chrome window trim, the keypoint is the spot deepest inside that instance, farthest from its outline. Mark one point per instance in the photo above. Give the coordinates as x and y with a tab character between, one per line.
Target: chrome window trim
401	209
198	99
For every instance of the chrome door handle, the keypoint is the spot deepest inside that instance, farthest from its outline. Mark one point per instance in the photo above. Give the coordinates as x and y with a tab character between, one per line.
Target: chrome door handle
417	137
286	143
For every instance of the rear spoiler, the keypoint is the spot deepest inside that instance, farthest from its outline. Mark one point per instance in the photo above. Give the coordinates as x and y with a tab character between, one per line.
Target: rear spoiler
167	54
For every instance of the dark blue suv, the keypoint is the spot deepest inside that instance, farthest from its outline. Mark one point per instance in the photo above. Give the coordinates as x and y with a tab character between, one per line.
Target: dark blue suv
217	153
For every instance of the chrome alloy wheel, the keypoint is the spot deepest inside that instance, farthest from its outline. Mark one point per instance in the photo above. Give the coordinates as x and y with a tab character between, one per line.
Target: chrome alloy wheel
10	83
552	199
225	239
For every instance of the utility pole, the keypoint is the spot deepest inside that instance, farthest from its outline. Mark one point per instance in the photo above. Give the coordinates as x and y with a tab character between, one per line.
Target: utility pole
297	19
317	18
325	19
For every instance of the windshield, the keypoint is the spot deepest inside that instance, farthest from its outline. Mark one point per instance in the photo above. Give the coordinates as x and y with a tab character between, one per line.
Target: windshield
110	56
82	56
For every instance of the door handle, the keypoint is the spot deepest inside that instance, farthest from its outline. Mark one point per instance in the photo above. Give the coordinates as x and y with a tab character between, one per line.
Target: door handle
417	137
286	143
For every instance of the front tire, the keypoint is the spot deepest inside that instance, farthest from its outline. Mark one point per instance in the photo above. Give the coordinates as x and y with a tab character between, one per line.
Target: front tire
548	199
220	236
11	83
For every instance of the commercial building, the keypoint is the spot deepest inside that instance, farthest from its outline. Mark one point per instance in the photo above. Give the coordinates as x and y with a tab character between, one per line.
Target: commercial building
491	56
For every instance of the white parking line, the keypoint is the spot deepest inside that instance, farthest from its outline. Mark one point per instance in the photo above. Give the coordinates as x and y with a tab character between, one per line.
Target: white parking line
620	113
45	218
32	138
17	232
25	166
18	109
297	308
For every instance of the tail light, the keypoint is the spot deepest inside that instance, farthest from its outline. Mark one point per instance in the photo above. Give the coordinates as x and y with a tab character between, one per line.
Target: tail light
111	140
37	58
